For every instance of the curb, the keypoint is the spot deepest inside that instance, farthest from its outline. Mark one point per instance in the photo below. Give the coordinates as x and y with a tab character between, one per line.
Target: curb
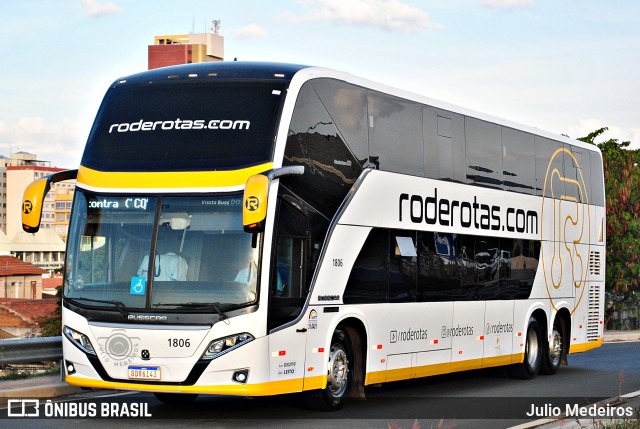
39	387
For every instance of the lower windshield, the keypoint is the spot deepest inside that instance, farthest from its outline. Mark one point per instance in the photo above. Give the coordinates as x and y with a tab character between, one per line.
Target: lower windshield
160	253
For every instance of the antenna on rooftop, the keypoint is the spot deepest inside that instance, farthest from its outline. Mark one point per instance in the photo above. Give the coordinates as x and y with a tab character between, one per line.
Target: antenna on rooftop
215	26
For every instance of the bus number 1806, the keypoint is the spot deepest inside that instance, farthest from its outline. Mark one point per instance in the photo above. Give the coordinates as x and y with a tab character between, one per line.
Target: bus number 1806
179	342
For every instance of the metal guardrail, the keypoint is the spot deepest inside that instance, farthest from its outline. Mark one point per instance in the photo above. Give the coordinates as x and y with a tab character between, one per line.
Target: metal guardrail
28	350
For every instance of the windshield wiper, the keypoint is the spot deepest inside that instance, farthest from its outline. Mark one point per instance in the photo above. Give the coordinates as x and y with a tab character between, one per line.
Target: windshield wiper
119	305
215	306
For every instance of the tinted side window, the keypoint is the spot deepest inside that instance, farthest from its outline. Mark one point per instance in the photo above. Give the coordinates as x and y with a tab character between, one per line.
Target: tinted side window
402	266
518	266
347	106
577	170
483	153
597	185
438	275
444	153
518	161
369	278
395	134
549	167
314	141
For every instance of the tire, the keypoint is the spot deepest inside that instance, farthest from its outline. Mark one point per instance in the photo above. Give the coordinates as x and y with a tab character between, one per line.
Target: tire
339	375
552	359
530	366
176	398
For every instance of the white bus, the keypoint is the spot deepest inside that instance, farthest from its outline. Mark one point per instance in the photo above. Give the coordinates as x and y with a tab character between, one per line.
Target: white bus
258	229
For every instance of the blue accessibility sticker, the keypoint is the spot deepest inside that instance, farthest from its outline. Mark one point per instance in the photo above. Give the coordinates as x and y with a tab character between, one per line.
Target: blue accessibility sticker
138	285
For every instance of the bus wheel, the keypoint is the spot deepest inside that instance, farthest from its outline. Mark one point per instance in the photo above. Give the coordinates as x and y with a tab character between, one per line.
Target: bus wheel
552	359
532	354
339	375
176	398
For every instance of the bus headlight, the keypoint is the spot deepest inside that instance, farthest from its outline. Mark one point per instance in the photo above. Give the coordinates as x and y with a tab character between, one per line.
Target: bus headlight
224	345
79	340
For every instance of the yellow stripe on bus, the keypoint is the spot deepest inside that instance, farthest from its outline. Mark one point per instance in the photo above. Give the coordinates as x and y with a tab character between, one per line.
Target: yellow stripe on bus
260	389
168	180
440	368
583	347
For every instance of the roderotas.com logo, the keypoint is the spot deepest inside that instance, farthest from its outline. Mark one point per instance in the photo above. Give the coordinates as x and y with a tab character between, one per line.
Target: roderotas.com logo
180	124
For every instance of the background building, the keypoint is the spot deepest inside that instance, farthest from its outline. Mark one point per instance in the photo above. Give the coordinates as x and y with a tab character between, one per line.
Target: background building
171	50
44	249
20	279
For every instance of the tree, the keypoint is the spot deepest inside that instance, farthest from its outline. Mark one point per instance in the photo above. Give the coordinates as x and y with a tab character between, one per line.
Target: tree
51	325
622	190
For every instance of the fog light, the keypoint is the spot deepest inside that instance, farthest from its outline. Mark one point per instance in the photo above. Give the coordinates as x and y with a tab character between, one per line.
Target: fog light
70	368
241	376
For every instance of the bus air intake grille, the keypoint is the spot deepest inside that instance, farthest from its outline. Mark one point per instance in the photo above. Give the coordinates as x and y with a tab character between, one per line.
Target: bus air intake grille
593	316
594	263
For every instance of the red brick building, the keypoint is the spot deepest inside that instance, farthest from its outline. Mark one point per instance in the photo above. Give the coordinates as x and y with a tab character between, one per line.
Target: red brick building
20	317
186	48
20	280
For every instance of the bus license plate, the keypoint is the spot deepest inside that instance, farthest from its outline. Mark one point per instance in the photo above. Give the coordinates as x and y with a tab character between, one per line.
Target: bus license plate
144	372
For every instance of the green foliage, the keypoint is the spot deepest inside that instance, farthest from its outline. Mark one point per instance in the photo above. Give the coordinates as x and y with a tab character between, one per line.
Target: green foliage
51	325
622	190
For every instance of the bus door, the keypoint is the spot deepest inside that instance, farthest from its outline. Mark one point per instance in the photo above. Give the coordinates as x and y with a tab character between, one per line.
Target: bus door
289	287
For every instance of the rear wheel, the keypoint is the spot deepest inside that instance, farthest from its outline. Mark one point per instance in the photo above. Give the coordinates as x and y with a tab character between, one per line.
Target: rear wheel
176	398
530	367
339	375
553	357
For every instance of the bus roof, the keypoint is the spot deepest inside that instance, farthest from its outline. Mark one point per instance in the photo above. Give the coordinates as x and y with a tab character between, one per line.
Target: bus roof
219	70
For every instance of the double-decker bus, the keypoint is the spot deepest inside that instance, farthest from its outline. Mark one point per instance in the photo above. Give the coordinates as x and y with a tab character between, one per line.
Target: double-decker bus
258	229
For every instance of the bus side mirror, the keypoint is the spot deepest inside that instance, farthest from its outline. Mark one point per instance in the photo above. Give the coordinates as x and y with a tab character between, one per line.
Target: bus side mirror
256	193
34	195
254	203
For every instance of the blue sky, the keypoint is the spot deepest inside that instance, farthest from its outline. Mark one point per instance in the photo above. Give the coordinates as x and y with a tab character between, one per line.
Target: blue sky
567	66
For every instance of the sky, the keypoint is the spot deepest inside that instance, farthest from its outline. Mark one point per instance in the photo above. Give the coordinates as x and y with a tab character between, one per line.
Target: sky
566	66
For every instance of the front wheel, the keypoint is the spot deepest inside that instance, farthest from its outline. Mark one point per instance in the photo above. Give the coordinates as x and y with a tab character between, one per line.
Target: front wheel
339	375
530	367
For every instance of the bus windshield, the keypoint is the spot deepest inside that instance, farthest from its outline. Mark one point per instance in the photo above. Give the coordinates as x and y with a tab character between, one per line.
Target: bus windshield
147	252
185	126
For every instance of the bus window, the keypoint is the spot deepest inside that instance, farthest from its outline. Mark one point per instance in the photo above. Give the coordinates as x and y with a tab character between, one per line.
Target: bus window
438	270
369	278
578	169
597	186
518	266
402	266
314	141
518	161
444	147
288	285
483	153
347	105
549	159
487	261
395	134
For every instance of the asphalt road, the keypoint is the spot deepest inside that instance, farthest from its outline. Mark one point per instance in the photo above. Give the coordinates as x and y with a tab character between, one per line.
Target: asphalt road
473	399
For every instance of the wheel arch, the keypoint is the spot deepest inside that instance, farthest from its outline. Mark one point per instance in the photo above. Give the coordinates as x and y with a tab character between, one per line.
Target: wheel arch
564	316
541	317
357	331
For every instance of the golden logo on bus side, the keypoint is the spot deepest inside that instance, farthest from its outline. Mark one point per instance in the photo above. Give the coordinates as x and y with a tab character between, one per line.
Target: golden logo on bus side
571	226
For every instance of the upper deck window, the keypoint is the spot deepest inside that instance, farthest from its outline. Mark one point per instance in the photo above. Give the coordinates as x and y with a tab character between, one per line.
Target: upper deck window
185	126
